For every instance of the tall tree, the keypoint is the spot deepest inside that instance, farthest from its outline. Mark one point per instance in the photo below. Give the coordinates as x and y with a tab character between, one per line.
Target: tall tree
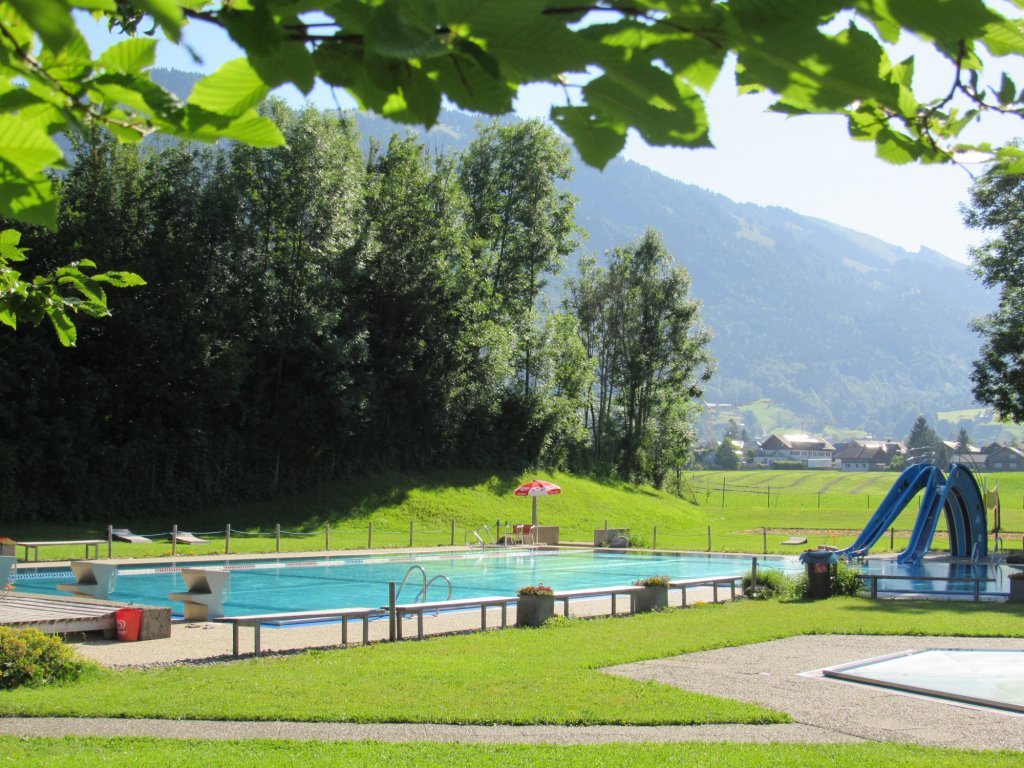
524	223
652	357
996	208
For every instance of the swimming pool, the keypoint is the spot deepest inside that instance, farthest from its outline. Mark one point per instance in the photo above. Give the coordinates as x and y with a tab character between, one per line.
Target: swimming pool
278	585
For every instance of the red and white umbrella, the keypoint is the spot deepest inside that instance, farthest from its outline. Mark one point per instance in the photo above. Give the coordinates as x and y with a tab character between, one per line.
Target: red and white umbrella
537	488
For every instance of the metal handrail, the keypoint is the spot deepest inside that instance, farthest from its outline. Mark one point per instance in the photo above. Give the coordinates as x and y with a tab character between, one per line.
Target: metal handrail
432	580
406	578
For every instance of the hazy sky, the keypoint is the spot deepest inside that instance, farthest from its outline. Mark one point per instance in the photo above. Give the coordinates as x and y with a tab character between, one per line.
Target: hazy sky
807	164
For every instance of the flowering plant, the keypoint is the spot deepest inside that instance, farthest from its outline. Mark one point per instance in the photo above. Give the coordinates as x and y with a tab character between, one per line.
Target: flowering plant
538	590
652	581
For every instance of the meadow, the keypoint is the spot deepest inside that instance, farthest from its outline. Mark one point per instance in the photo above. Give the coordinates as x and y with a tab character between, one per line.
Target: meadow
744	511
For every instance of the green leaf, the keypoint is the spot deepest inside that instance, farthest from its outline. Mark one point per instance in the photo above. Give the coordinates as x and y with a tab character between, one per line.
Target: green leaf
26	146
251	128
1007	90
231	91
404	29
120	279
51	19
129	56
67	334
597	142
167	14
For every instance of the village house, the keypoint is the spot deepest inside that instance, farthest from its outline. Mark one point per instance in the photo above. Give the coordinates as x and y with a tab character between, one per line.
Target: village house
812	452
864	455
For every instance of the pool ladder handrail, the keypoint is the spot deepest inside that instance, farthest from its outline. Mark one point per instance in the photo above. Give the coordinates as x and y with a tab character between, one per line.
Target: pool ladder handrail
479	538
422	596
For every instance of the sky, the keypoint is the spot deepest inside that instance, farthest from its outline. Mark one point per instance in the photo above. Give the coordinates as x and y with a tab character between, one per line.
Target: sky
807	164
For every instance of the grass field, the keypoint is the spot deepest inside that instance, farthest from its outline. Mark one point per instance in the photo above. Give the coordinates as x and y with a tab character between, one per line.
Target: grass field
466	678
158	753
396	510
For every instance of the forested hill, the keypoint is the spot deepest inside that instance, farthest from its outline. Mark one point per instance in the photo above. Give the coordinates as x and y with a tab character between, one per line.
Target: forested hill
836	326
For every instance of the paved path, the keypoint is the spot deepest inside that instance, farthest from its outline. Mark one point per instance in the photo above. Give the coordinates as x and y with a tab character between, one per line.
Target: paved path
781	674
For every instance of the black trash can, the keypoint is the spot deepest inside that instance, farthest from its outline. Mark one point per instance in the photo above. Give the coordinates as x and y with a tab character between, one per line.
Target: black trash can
819	572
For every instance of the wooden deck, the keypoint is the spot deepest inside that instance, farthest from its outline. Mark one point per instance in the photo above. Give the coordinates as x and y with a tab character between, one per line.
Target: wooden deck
57	614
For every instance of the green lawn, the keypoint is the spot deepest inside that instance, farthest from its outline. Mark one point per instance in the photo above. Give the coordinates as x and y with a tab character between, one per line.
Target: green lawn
143	753
480	678
831	507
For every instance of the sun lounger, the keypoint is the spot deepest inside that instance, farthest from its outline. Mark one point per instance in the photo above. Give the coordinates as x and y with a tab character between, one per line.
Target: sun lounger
184	537
123	534
794	540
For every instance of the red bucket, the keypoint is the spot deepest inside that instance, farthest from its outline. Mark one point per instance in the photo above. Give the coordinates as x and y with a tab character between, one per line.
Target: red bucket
129	622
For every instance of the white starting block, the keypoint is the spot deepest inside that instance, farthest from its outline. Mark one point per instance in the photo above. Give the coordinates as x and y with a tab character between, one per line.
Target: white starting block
208	590
92	579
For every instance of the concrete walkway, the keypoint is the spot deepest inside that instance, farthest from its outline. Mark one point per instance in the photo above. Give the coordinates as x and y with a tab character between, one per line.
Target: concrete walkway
782	674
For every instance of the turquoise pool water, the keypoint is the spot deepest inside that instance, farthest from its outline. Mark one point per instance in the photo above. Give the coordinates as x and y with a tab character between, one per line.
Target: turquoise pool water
278	585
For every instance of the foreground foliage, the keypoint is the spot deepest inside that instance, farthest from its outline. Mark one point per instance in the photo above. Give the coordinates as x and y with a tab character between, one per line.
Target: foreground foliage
623	64
30	658
86	752
418	681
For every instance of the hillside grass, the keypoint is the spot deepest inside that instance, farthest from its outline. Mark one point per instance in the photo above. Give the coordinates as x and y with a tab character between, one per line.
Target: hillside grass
480	678
185	753
826	507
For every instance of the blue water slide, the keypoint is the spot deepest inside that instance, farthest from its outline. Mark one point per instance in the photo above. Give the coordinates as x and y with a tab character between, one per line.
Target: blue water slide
910	481
959	497
932	504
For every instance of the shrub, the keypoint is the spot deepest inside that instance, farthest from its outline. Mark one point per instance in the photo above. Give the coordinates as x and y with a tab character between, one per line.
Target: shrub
28	657
845	582
1019	575
538	590
785	464
652	581
770	583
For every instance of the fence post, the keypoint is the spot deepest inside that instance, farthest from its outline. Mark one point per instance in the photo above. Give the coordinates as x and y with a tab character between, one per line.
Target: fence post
227	539
110	542
764	540
410	532
369	537
723	493
892	539
453	531
654	544
174	540
869	501
753	576
769	495
327	537
709	538
391	609
277	536
819	499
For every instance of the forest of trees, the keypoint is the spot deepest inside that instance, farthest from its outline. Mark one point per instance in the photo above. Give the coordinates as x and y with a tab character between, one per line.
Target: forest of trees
311	311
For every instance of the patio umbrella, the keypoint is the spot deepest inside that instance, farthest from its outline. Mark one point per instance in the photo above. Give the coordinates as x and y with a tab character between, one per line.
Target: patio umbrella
537	488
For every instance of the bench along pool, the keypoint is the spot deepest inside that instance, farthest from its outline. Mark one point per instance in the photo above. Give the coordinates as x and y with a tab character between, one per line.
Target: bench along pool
296	584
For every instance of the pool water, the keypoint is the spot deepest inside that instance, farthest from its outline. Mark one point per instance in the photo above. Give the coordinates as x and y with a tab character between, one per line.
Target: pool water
280	585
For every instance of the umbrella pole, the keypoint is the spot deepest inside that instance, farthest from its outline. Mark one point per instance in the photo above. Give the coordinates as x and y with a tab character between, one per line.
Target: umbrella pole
535	516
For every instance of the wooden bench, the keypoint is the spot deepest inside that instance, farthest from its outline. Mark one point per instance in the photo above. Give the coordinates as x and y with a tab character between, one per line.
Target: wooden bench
444	605
566	595
300	618
35	545
714	582
874	578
